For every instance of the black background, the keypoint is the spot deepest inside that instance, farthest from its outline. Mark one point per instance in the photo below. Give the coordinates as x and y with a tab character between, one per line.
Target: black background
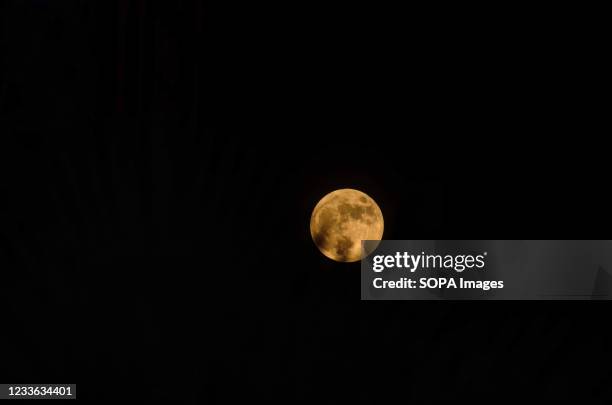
160	162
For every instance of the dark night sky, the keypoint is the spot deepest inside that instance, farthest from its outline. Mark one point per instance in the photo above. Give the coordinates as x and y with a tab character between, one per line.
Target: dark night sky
160	164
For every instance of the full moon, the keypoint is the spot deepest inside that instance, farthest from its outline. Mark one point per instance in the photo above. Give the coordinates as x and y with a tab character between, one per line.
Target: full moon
341	220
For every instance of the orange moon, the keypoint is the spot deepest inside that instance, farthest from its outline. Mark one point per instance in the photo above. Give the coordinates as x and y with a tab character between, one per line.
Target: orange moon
341	220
